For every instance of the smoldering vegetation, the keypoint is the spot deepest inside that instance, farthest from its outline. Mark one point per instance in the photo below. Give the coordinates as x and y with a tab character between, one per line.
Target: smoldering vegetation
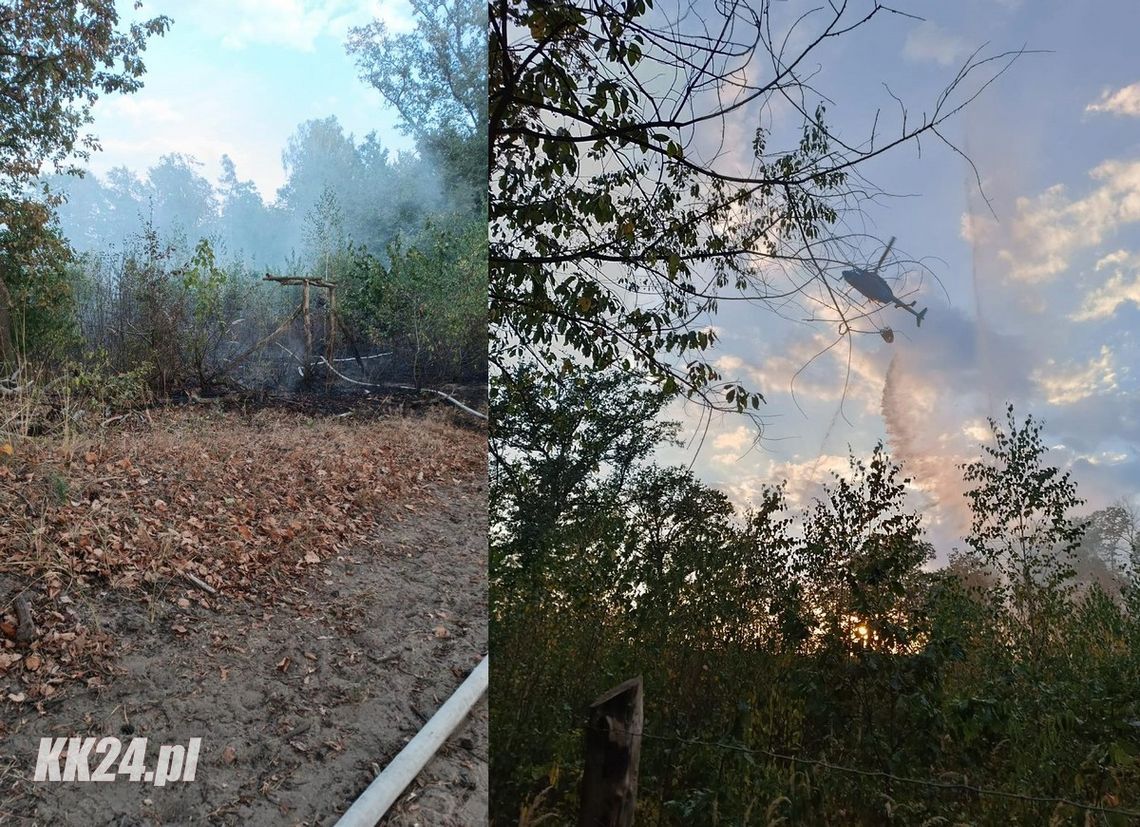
166	290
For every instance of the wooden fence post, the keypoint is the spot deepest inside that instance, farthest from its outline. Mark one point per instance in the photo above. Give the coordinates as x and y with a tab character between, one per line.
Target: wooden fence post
613	750
7	348
330	336
308	320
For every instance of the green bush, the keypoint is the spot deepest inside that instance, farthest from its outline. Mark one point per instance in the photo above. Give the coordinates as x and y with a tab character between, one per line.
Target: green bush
37	286
429	301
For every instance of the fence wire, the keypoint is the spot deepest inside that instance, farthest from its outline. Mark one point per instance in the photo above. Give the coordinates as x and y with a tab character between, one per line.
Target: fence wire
902	779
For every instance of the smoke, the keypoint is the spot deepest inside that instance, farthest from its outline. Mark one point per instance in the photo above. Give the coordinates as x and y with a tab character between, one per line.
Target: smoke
338	190
934	405
930	455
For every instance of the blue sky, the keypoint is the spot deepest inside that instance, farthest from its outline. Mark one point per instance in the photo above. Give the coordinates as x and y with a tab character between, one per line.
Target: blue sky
1042	297
236	77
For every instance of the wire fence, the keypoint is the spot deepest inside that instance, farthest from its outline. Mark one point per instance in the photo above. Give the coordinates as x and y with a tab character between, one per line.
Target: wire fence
901	779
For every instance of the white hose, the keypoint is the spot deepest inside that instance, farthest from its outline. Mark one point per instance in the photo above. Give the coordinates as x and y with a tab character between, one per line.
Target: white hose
374	802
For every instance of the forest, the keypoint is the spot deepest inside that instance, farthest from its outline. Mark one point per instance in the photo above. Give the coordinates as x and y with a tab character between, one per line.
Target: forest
142	284
807	665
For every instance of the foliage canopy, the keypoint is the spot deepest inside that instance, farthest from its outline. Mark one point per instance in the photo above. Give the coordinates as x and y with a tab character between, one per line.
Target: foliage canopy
56	59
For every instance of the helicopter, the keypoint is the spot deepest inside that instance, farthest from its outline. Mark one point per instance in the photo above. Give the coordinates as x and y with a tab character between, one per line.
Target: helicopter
873	286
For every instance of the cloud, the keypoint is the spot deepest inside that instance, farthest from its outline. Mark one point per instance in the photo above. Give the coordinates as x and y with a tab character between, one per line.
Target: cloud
929	42
932	392
1107	457
1115	257
729	446
976	430
1100	421
977	229
1051	227
1124	101
179	111
1120	288
1072	383
142	111
729	364
811	370
207	102
804	480
1101	447
933	397
294	24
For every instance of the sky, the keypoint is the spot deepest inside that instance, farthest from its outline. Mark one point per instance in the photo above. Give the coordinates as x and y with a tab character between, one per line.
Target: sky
237	77
1036	303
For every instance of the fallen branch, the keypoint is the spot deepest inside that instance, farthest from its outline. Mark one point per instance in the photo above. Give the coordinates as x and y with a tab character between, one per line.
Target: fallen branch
446	396
361	358
248	352
9	384
26	628
322	360
201	584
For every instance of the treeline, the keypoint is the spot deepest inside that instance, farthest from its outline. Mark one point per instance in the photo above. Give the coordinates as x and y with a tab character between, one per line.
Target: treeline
337	190
820	633
141	284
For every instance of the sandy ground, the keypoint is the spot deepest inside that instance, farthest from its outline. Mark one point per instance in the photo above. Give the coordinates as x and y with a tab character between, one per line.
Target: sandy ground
299	701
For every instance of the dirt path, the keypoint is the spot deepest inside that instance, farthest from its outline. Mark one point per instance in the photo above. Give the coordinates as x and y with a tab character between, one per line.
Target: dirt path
299	702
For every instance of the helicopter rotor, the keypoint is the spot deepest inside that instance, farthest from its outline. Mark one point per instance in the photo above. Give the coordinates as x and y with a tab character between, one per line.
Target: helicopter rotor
883	257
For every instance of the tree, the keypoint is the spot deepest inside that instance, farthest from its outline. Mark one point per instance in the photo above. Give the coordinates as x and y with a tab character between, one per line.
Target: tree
56	59
549	450
181	200
1112	536
36	298
204	286
683	566
618	227
1020	521
430	301
436	79
319	158
247	224
862	550
324	231
126	197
